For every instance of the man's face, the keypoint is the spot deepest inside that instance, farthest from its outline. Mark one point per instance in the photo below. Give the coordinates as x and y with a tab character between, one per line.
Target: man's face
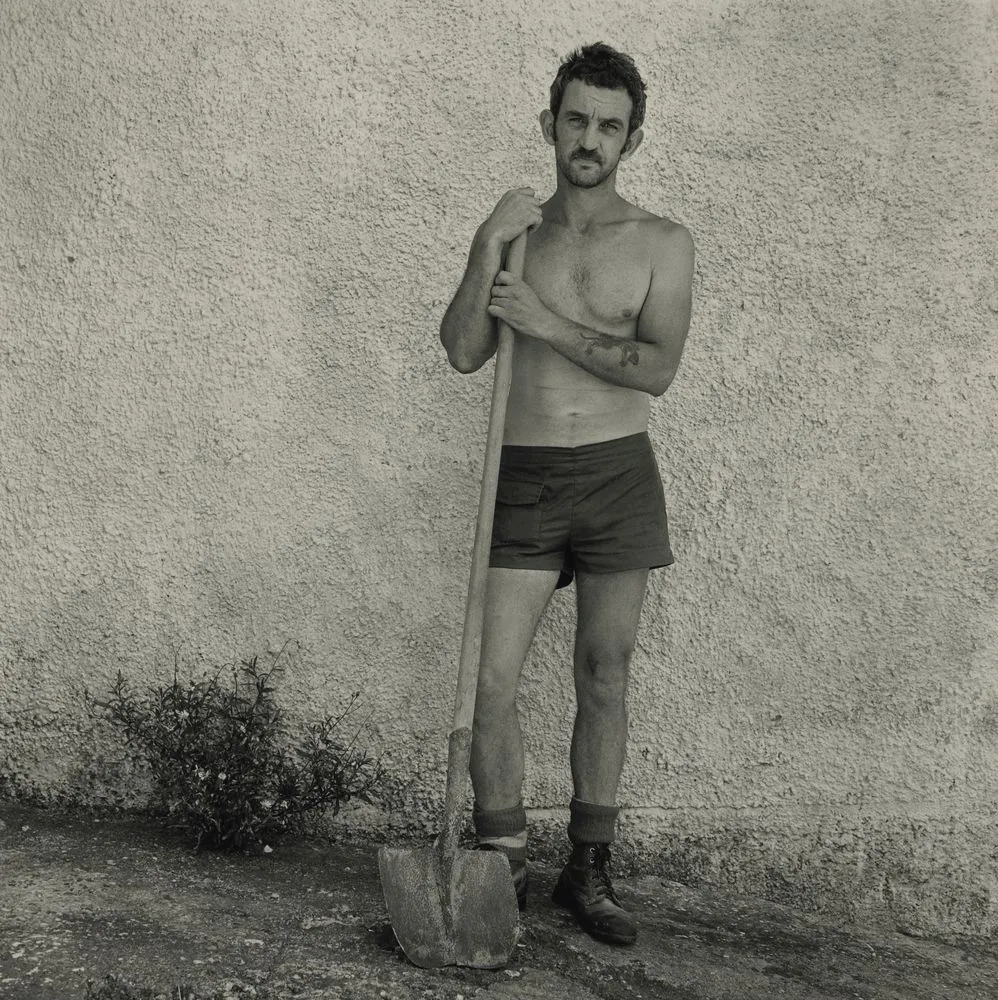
590	133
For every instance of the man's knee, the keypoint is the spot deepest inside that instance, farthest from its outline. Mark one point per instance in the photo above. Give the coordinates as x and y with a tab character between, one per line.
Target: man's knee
601	672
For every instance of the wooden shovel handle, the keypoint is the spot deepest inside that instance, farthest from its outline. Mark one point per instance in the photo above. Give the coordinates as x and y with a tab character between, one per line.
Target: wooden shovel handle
471	641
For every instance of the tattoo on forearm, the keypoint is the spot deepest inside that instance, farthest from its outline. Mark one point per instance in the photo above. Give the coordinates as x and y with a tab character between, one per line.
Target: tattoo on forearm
629	354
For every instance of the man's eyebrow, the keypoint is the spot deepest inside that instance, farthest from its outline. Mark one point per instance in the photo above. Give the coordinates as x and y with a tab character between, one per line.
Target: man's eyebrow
575	113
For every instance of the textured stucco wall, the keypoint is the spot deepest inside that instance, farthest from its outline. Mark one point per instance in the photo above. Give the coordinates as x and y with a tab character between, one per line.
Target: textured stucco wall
229	231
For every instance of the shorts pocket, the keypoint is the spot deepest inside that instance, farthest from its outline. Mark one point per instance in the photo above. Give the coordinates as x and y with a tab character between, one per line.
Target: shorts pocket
518	512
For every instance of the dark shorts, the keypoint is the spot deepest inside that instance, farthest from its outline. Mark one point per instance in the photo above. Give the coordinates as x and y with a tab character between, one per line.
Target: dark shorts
598	508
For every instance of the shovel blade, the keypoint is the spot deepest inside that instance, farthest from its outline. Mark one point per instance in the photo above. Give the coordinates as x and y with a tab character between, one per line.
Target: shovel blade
468	918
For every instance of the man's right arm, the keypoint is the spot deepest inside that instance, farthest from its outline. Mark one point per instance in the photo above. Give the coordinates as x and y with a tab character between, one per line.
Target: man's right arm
469	334
467	331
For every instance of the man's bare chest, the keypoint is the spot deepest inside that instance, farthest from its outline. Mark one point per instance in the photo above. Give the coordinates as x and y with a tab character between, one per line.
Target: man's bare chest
589	279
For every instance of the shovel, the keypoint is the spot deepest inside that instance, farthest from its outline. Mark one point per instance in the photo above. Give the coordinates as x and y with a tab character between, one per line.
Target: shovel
450	906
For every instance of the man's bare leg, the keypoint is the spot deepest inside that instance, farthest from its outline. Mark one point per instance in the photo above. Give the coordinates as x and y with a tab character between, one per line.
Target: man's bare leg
609	606
514	602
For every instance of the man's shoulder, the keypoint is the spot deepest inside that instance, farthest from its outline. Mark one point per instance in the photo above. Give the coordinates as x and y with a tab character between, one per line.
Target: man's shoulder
654	227
660	227
668	243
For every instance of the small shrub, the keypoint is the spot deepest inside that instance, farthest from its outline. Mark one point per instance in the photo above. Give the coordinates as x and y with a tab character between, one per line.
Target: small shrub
223	764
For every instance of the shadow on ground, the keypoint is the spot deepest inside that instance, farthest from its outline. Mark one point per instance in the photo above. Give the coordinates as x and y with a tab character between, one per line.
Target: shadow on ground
83	899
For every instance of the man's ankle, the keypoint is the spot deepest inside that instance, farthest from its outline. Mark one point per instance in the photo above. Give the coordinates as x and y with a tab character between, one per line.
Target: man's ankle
506	830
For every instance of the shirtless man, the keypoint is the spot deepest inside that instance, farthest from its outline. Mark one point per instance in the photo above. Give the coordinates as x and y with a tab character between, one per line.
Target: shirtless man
600	318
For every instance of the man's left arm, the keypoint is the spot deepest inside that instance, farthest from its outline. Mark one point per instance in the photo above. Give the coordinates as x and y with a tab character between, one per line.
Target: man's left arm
648	363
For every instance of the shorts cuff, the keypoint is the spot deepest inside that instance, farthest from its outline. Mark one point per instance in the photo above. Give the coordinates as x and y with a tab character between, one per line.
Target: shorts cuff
638	559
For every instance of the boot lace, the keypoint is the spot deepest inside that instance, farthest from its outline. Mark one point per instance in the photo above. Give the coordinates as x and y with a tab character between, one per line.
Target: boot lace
600	857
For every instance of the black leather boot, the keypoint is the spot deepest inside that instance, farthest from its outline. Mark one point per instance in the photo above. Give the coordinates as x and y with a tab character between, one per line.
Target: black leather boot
584	887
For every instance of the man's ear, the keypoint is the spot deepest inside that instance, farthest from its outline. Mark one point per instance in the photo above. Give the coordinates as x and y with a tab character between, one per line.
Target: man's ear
633	141
547	126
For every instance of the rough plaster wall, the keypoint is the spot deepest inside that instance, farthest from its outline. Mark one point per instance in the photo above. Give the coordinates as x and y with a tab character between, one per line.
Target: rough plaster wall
230	231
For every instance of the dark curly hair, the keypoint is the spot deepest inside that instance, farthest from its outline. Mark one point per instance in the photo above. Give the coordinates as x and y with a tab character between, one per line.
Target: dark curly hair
600	65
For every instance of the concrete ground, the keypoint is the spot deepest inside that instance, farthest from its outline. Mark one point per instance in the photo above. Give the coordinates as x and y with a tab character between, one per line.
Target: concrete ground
83	899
